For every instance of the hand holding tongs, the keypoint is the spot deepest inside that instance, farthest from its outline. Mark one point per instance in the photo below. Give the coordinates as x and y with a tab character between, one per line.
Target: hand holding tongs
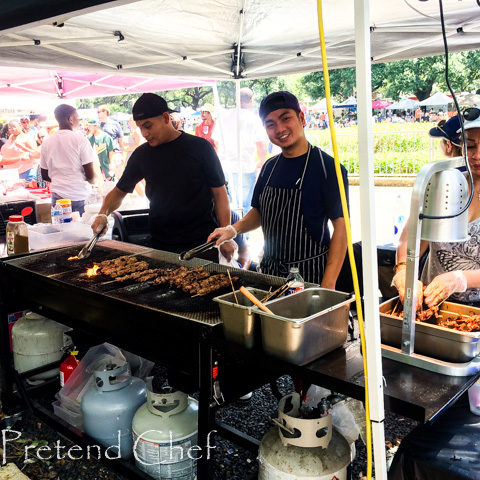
189	254
87	249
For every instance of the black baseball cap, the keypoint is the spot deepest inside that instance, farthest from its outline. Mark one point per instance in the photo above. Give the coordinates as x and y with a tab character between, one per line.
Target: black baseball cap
149	105
276	101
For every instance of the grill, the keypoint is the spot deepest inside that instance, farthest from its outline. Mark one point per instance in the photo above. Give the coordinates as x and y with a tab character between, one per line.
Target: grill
56	267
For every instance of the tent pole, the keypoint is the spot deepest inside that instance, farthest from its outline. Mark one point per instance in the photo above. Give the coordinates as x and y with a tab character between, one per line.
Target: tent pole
369	251
239	186
219	125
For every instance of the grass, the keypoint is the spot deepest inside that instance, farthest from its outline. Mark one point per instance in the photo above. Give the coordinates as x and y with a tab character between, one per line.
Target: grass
400	149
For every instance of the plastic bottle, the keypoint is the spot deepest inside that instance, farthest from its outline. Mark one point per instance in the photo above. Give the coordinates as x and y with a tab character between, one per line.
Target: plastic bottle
57	214
399	218
16	234
68	366
298	284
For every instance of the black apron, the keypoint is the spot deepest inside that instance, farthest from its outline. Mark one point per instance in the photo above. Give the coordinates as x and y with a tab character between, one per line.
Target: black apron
287	241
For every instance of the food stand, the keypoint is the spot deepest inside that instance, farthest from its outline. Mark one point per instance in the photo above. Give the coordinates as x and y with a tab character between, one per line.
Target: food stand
186	335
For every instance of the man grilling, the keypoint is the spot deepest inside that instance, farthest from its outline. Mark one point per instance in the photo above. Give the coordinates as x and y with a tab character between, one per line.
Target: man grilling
184	182
295	196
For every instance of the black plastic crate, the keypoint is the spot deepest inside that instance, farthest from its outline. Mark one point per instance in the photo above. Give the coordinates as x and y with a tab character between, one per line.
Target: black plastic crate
14	208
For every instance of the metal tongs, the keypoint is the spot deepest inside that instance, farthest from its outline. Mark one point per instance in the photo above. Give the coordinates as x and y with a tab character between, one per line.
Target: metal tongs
87	249
189	254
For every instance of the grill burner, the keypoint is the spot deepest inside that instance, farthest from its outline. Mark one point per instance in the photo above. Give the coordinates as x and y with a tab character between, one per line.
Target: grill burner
55	264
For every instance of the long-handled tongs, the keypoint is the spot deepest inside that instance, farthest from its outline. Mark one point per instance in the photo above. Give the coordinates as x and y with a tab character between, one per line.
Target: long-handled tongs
189	254
87	249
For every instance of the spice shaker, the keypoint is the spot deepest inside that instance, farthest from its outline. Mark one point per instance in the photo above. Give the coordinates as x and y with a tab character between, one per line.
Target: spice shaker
16	235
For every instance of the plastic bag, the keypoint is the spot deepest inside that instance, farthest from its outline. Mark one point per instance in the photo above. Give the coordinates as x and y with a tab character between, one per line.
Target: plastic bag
140	367
232	263
348	416
81	380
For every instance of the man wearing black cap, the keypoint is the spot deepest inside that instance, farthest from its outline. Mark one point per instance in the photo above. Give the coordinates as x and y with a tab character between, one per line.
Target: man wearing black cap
295	196
184	181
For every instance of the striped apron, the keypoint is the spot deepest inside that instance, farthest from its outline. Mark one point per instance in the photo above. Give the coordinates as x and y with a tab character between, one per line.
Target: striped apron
287	241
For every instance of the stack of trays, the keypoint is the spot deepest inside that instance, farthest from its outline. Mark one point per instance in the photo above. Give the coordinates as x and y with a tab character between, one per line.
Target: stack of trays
303	326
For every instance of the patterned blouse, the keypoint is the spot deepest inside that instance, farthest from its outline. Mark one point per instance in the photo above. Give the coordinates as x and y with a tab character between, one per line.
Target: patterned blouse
447	257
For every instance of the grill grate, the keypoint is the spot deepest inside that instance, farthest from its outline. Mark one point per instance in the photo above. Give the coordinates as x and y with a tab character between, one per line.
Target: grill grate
54	264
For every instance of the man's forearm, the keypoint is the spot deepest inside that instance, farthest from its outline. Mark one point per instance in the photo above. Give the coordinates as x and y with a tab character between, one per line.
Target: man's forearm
112	201
249	222
336	254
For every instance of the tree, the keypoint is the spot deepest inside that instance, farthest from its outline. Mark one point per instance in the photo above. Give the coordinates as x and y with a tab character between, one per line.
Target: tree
342	82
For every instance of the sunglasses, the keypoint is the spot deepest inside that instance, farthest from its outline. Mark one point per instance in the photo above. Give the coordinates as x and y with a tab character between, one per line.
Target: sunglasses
470	114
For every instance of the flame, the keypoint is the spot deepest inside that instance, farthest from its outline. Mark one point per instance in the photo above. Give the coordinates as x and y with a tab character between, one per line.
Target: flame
73	258
92	271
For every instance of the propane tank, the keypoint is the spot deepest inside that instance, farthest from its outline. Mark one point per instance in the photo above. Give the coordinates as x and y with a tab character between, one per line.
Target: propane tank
302	449
108	408
164	430
38	341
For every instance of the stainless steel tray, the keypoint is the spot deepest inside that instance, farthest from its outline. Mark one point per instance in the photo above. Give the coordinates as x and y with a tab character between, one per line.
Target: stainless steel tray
432	340
306	325
240	321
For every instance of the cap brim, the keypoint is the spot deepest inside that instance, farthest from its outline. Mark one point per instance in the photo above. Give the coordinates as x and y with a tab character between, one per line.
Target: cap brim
468	125
435	132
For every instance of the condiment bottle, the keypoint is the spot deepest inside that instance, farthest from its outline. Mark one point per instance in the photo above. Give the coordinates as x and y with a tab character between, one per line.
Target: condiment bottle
16	235
296	280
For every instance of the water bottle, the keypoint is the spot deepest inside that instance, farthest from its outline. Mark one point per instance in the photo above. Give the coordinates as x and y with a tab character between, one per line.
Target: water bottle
298	284
399	219
57	214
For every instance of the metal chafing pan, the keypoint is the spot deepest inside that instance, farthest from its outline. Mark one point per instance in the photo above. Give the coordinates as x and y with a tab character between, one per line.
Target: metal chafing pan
432	340
240	321
306	325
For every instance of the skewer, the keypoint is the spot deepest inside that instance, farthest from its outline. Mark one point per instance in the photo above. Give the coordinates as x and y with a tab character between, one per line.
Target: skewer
277	292
233	288
395	307
455	314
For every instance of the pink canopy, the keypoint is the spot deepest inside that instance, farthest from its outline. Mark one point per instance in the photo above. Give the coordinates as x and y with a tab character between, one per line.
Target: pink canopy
380	104
69	85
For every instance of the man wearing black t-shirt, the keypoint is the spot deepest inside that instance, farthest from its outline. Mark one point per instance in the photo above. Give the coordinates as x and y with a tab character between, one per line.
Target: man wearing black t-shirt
184	182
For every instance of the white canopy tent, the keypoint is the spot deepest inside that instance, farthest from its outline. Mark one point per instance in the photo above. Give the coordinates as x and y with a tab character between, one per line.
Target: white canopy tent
403	104
437	99
236	39
221	39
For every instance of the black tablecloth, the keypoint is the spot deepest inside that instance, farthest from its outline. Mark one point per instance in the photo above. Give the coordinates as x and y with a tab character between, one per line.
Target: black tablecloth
447	449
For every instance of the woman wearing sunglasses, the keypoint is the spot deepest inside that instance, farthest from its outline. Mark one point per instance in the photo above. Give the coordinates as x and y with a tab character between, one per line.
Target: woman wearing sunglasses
452	269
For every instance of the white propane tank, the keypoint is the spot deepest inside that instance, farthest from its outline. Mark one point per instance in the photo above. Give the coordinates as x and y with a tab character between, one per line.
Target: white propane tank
294	451
38	341
164	432
108	408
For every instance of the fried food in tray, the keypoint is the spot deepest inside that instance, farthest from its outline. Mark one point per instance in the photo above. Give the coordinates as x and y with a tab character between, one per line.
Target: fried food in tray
194	281
445	318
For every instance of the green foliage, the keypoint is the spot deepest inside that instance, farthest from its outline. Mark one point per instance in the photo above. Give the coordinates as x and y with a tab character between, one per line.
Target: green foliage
419	76
398	148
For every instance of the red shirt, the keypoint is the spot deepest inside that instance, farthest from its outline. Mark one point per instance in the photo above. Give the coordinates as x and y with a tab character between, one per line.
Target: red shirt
205	131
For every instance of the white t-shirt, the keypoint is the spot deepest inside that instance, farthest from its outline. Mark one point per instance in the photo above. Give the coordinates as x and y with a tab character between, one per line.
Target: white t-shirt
251	131
63	155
